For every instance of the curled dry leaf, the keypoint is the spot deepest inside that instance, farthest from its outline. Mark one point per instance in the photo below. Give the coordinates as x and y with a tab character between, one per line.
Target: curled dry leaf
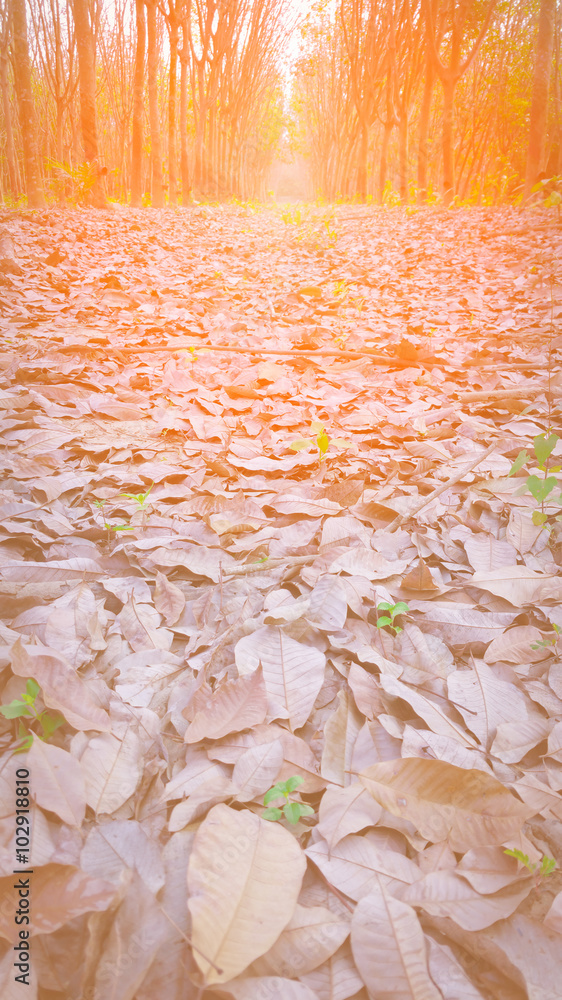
444	802
244	878
58	782
312	935
389	949
293	672
232	706
346	810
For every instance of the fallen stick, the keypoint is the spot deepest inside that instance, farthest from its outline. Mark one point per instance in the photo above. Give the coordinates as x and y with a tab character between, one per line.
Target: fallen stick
402	518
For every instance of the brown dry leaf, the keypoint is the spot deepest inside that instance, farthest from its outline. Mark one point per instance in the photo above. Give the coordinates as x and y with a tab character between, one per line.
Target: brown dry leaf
112	848
448	974
271	987
445	894
444	802
256	770
419	579
358	864
389	949
336	979
61	686
59	893
340	733
519	585
293	672
58	782
233	706
111	769
312	935
516	646
239	865
169	600
346	810
485	701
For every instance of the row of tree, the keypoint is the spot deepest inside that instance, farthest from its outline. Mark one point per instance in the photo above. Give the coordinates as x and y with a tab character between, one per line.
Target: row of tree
475	83
158	99
206	74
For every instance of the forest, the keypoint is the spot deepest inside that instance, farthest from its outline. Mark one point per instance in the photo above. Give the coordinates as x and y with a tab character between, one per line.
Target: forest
384	101
280	500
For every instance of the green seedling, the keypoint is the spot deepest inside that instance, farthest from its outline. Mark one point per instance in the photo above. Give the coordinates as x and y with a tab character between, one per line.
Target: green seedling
118	527
540	488
547	865
401	608
140	498
292	811
24	707
545	643
322	441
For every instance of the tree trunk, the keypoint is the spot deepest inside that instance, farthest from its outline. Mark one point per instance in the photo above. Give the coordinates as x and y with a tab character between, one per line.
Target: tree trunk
449	86
423	138
87	79
403	134
138	107
539	97
362	154
184	159
22	74
7	112
388	126
157	187
172	93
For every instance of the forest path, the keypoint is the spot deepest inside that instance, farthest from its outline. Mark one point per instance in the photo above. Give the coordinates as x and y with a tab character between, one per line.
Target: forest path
170	520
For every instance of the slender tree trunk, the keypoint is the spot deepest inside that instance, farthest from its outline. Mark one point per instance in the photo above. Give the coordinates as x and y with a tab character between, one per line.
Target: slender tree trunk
540	92
138	107
403	134
22	73
7	112
172	99
449	86
157	187
383	165
184	159
87	79
362	155
423	138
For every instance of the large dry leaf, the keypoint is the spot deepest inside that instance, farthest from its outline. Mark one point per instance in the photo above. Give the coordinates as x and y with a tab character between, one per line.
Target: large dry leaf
389	949
445	894
346	810
57	781
256	771
485	701
113	847
232	706
340	733
336	979
448	974
293	672
244	878
444	802
433	713
312	935
111	769
169	600
357	864
519	585
62	688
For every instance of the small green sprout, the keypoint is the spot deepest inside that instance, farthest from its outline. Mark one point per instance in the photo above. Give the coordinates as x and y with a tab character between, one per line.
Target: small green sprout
547	865
118	527
140	498
24	707
545	643
292	811
401	608
540	489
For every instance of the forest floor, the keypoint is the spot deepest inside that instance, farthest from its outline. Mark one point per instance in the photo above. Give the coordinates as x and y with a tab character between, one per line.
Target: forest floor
228	436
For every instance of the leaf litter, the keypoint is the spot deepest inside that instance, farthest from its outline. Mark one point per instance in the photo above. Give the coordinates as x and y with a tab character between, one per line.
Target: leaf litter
197	536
